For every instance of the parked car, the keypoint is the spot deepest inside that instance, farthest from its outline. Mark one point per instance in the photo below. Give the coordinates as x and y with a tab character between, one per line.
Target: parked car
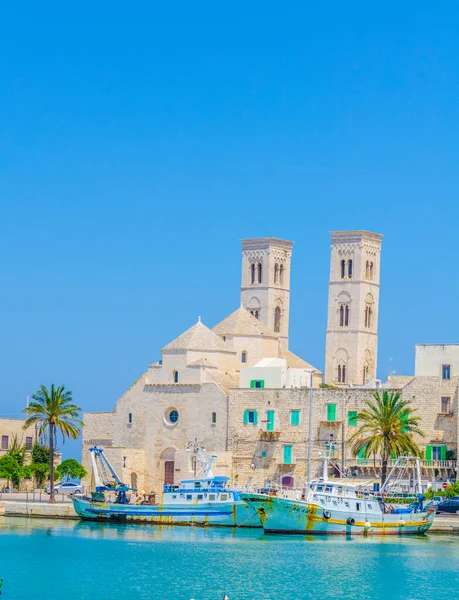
435	500
68	487
450	505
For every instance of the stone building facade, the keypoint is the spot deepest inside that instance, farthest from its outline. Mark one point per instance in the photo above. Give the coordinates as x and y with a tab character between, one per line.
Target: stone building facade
271	443
184	397
353	307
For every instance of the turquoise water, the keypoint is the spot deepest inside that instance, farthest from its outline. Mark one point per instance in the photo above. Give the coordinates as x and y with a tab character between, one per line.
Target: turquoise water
57	559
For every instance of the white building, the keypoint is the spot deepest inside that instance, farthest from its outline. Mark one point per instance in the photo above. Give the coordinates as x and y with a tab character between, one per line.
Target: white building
275	373
437	360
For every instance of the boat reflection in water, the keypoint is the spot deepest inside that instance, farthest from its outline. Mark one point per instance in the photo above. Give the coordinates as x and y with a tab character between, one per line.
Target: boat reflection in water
205	502
341	508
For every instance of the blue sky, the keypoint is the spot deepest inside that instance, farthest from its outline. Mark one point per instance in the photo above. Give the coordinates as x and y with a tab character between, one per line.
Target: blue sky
139	143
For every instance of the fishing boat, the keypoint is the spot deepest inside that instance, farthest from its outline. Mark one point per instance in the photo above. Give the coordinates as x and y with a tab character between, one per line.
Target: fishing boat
207	502
340	507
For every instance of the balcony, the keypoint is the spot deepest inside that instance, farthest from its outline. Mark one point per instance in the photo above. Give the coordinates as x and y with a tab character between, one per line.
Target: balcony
352	461
269	436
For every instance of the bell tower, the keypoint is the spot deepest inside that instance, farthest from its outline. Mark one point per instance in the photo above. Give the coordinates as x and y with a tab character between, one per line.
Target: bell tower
265	287
353	307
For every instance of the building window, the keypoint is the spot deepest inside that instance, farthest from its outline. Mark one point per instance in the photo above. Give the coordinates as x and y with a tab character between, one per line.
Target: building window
366	372
331	412
446	372
252	273
352	416
287	455
437	452
264	454
341	375
173	416
294	417
4	442
256	314
250	417
277	319
130	418
344	315
371	271
343	269
446	405
214	418
281	274
244	356
175	376
257	383
349	269
260	272
276	273
368	316
28	443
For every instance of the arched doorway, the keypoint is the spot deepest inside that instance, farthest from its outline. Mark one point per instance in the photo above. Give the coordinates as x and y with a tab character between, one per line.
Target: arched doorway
134	480
168	460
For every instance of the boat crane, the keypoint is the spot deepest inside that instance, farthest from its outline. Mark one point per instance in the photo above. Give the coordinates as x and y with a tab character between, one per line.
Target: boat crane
106	484
206	463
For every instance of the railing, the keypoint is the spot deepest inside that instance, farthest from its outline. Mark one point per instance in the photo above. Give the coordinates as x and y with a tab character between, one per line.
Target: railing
372	462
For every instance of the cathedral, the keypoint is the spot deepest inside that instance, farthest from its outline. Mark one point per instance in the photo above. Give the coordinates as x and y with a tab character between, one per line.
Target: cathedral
238	391
185	396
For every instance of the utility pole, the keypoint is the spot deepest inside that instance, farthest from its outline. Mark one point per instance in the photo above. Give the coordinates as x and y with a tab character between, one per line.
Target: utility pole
310	430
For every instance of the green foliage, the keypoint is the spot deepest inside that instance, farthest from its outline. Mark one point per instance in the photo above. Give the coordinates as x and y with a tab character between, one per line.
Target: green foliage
72	469
53	411
17	450
328	386
40	471
40	454
387	426
11	470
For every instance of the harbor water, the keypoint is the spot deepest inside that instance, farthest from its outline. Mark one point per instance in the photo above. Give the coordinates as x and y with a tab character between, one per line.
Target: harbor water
42	558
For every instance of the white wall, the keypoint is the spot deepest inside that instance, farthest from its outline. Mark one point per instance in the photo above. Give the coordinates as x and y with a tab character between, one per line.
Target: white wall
430	358
276	377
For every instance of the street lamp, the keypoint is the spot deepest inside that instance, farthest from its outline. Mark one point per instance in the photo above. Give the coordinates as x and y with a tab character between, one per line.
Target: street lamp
195	447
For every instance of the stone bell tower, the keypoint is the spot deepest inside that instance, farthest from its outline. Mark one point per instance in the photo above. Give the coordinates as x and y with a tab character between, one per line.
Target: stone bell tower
353	307
265	288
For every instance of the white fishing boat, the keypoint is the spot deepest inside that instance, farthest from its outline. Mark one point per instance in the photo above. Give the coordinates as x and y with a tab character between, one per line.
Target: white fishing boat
330	506
207	501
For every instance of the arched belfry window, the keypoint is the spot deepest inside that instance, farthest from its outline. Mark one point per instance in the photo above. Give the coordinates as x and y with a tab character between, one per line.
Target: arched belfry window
257	314
175	374
276	273
367	270
368	316
371	271
260	272
349	269
281	274
277	319
343	269
244	356
366	372
252	273
341	373
344	315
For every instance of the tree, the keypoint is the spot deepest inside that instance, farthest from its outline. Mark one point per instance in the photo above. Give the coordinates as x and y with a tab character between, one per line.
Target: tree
17	450
387	426
40	471
40	453
11	470
53	410
71	468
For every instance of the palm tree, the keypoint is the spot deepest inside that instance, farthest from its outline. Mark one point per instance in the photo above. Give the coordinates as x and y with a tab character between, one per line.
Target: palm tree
53	411
387	426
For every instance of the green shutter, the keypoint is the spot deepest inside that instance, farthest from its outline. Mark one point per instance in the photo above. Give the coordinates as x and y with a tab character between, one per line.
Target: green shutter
331	412
443	453
270	418
246	417
287	455
255	417
252	383
428	452
403	417
262	383
361	459
352	416
294	417
263	454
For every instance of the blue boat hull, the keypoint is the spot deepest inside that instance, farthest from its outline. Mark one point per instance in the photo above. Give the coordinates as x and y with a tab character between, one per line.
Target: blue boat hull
218	514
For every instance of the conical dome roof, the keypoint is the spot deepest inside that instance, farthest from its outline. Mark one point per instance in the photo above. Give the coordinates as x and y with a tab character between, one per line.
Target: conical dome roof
200	338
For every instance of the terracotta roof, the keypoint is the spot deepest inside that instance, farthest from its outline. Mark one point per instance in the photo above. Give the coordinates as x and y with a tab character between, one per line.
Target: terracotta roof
242	322
198	337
